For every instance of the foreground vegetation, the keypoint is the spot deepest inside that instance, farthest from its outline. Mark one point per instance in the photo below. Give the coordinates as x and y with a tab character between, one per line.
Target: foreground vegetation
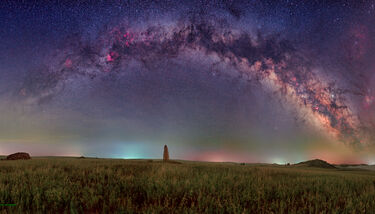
58	185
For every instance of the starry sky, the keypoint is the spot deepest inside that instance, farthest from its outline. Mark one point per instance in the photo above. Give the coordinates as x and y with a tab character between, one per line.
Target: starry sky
221	80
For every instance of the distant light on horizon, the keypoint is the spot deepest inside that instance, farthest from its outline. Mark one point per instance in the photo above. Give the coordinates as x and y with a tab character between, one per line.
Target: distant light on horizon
278	160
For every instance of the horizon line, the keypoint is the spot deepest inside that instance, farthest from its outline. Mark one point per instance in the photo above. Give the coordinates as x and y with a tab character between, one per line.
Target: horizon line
97	157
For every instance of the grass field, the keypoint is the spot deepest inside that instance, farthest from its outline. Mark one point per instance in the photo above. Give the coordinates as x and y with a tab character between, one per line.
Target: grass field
71	185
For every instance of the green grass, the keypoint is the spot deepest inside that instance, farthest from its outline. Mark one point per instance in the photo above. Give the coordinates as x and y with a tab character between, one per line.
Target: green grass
70	185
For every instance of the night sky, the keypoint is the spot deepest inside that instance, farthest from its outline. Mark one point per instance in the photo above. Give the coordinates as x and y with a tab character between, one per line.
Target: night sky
246	81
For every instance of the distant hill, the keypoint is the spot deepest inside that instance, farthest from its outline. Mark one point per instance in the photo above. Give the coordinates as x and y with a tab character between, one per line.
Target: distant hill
316	163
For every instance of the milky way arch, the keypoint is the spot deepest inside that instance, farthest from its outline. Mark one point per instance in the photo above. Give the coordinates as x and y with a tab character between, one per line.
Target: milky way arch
264	59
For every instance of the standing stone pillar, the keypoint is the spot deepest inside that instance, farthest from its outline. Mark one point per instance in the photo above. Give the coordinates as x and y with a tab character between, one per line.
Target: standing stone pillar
165	153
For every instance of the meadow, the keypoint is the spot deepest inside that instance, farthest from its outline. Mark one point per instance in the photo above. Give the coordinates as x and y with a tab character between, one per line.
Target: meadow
72	185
